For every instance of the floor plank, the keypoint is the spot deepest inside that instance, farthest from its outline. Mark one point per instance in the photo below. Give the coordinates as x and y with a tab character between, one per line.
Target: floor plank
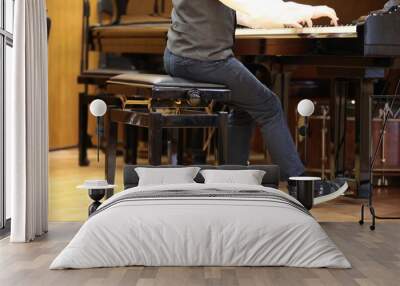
375	257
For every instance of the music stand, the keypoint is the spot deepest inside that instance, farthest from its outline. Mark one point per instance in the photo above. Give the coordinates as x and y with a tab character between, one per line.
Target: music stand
371	167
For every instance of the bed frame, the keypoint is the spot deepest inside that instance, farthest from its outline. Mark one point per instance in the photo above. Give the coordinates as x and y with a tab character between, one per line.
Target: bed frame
270	179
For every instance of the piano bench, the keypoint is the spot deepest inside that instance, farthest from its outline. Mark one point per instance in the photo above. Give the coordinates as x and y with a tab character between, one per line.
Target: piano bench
155	122
164	91
152	92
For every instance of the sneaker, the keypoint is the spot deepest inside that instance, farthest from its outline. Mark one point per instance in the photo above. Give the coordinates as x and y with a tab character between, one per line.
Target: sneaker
329	190
324	190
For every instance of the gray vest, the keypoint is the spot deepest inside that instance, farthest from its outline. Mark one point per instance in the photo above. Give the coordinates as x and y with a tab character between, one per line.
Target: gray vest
202	30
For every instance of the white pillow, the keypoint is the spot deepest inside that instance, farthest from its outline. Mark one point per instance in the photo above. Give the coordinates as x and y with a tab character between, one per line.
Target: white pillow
166	176
248	177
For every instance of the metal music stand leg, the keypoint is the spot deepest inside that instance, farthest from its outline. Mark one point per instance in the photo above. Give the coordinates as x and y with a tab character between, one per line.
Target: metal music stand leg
372	210
372	161
361	221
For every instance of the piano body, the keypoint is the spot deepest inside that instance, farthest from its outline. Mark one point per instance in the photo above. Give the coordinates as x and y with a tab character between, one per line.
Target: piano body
352	56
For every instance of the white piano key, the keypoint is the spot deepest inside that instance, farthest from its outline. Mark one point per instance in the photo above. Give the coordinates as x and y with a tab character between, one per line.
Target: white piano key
348	31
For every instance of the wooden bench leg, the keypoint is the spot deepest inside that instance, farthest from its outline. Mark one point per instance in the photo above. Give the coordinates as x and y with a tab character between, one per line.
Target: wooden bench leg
175	146
222	138
111	155
131	144
83	125
155	138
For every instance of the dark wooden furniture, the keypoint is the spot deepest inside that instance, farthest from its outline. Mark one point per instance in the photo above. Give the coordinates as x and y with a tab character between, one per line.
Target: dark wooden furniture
165	102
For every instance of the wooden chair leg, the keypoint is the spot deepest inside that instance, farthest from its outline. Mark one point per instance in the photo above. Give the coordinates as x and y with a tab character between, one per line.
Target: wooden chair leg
155	138
111	155
222	138
83	125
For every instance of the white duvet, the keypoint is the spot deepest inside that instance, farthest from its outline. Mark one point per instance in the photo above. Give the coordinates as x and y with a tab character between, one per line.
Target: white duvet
200	232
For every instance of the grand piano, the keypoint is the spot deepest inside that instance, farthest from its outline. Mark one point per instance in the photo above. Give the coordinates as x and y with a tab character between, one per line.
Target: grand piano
353	56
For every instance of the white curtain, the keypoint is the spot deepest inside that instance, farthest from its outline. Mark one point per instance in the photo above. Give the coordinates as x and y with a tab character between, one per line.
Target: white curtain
27	124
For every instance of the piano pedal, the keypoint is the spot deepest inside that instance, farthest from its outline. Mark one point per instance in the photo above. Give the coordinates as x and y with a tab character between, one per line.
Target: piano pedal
385	182
382	182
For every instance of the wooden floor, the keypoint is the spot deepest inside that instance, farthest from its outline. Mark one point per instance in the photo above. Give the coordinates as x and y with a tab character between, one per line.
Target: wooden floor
66	203
375	257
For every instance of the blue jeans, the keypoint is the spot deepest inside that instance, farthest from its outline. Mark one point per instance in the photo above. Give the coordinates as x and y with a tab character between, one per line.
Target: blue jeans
252	103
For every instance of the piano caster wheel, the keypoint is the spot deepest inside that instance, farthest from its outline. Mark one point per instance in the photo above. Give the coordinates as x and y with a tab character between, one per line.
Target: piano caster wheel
372	227
361	222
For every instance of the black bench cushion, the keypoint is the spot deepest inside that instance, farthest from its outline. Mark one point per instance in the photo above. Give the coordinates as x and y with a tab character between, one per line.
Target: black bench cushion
157	80
270	179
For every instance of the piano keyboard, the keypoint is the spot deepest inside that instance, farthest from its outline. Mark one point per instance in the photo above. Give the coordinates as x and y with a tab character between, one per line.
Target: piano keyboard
348	31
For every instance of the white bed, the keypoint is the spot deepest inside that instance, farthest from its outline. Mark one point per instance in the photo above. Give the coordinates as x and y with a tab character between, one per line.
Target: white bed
208	230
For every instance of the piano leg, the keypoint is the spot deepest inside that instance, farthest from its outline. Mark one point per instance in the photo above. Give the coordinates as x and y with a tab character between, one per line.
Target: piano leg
281	85
83	125
281	78
286	78
339	93
111	154
155	138
364	92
